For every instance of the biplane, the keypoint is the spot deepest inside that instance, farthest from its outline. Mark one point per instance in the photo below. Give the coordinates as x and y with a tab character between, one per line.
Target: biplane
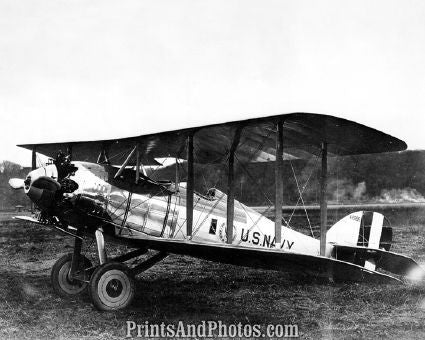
100	189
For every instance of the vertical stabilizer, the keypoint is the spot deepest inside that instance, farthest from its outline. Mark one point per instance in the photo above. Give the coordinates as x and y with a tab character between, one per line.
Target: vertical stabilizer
346	231
362	228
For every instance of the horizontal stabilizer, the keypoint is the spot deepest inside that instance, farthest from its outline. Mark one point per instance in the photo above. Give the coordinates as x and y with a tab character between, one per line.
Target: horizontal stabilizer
386	260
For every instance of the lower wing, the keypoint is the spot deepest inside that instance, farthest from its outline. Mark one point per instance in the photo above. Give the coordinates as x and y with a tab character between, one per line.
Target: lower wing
267	259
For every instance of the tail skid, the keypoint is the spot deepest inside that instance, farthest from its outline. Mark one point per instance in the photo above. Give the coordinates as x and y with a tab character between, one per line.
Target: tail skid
362	239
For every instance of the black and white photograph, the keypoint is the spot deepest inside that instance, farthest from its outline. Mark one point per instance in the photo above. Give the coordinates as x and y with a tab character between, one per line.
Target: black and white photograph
211	169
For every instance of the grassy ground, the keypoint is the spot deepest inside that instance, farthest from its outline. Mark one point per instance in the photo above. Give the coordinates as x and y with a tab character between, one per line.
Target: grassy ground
181	288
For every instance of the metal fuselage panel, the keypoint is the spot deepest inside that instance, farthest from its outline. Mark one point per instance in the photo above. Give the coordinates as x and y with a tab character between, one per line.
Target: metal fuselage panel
136	215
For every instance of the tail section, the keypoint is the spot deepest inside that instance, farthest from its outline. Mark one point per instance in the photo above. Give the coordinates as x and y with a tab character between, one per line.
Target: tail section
364	239
372	259
363	229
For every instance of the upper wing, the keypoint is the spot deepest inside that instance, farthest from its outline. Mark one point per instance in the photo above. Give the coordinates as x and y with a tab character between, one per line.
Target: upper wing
303	134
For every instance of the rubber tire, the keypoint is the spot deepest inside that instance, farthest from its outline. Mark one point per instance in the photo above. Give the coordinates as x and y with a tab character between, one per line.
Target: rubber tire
59	277
101	282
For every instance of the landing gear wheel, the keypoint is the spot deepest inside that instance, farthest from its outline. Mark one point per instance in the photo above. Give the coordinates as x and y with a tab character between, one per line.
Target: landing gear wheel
111	286
61	282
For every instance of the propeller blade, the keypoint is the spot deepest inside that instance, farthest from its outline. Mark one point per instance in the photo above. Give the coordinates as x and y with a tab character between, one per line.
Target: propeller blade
16	183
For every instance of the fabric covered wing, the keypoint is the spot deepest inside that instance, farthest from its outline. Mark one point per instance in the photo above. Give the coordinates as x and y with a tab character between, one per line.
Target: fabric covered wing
303	134
266	259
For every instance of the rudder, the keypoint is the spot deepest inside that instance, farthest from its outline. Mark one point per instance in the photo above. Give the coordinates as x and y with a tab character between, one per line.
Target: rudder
362	228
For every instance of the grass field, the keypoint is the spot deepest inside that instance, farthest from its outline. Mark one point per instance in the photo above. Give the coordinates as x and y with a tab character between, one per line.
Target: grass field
182	288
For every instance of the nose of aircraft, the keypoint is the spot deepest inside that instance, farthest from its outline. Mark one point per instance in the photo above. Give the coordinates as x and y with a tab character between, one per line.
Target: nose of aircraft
40	185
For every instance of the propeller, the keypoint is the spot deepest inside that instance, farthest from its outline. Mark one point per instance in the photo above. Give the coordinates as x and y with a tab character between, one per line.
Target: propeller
16	183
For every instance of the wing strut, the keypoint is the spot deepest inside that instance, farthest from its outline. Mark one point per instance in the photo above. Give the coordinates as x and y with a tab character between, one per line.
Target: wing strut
103	155
323	203
69	150
33	167
190	185
119	172
230	211
177	175
137	163
279	184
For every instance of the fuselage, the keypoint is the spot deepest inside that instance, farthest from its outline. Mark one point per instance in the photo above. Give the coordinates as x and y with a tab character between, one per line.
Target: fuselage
133	210
161	212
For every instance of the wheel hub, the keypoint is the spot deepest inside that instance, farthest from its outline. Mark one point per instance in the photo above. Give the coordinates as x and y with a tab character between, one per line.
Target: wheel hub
114	288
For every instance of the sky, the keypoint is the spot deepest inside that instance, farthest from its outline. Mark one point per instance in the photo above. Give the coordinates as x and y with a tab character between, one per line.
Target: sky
85	69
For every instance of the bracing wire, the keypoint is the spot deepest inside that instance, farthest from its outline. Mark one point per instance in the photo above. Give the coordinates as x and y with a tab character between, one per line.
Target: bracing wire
302	191
301	197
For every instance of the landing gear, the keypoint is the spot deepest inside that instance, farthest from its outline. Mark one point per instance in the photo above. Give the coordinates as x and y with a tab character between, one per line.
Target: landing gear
63	284
111	286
